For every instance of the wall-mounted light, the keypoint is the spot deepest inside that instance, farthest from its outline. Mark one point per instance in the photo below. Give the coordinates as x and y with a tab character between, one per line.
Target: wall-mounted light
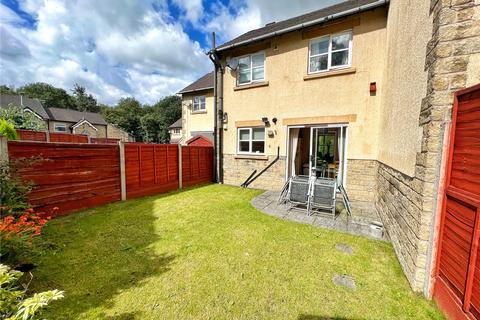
225	117
274	120
265	120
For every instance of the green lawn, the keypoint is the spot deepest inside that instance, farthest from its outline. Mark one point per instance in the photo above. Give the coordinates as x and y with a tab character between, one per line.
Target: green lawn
206	253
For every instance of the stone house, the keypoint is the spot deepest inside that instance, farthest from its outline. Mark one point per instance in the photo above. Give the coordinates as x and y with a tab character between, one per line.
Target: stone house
60	120
361	92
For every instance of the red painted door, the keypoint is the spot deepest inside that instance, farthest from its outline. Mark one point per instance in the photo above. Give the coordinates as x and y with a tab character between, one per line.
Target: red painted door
457	282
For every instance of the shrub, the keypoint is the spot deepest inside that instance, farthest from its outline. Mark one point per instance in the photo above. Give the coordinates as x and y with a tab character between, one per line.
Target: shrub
14	305
13	190
22	119
8	130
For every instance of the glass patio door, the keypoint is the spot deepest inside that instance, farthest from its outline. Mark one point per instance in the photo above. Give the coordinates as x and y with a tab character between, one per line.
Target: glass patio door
327	152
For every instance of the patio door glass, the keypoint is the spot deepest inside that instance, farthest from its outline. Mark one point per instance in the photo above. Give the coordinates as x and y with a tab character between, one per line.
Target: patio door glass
327	152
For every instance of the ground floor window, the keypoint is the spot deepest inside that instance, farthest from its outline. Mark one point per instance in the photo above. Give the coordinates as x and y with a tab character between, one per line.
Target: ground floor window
251	140
60	127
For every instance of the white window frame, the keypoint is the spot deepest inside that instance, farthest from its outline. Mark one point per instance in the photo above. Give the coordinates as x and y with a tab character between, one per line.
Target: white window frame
59	124
251	68
330	51
199	104
250	140
177	131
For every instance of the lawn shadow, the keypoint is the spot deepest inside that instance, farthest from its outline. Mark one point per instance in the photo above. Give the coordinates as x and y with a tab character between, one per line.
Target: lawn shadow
96	254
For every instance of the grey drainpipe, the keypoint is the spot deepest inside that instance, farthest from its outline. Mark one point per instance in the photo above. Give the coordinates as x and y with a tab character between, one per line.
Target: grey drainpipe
345	13
214	60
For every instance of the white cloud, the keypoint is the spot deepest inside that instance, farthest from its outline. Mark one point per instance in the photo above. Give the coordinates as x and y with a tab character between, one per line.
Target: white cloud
193	9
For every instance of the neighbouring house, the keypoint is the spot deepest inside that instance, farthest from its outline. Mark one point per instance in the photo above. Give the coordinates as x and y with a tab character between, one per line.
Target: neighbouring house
175	131
362	92
197	111
60	120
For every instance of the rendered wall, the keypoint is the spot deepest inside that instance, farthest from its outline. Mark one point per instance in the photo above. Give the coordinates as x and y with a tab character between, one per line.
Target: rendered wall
409	28
198	120
288	95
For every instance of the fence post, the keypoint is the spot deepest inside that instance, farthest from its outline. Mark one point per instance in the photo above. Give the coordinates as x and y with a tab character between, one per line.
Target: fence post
3	149
47	135
123	182
180	182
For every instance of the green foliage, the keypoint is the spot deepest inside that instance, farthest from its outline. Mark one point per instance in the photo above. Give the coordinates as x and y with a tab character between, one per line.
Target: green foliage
14	305
22	119
159	117
6	89
126	115
83	100
51	96
13	190
8	130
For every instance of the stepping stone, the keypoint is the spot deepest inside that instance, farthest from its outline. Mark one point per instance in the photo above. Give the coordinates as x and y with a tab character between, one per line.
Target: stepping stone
344	248
344	281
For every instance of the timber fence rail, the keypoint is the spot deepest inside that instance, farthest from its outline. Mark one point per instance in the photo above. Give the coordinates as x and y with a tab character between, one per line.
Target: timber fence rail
73	176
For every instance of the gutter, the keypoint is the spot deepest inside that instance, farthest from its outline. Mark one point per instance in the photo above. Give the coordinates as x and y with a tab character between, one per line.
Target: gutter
342	14
195	90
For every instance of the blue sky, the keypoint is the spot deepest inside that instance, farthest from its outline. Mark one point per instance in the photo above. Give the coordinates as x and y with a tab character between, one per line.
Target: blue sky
118	48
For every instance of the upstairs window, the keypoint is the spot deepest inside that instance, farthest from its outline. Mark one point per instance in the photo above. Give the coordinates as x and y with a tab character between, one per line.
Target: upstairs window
60	127
251	68
330	52
251	140
199	104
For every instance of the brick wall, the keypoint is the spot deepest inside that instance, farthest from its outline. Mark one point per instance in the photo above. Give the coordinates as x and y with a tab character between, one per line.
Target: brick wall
362	186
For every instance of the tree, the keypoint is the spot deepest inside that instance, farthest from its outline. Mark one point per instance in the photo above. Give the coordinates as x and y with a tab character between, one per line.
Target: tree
6	89
22	119
51	96
159	117
126	115
83	100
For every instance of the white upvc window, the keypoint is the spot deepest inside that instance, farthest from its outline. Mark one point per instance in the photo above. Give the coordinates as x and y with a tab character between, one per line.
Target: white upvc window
330	52
199	104
251	68
251	140
176	131
59	127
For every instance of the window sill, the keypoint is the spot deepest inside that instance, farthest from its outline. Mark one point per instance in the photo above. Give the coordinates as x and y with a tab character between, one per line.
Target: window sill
251	157
330	73
251	85
198	112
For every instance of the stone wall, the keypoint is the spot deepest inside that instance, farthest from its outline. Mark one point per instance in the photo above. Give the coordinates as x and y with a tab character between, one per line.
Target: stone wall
362	186
408	205
237	169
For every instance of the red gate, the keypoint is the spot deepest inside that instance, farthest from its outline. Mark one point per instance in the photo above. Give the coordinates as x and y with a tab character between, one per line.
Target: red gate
457	277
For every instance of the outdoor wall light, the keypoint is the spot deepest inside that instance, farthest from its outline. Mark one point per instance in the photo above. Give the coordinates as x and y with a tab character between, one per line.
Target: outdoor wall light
265	120
225	117
274	120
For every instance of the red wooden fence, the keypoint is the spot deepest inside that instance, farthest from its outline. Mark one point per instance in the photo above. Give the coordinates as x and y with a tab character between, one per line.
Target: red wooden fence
197	165
73	176
150	168
32	135
104	140
70	176
68	137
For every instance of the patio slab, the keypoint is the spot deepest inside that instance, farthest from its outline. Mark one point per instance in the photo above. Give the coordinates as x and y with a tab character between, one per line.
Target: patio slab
267	203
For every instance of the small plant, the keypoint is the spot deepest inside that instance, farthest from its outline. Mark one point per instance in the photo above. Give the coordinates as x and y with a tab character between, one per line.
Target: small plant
17	232
14	305
7	130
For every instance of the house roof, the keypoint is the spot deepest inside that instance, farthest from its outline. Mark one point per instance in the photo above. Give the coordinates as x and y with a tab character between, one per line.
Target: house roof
340	10
204	83
176	124
22	101
69	115
201	140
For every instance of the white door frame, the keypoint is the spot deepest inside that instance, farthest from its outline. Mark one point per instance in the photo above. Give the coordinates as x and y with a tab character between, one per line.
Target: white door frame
342	155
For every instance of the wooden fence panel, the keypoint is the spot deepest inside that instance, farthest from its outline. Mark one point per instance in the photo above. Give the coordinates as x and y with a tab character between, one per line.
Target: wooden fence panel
70	176
150	168
68	137
197	165
104	140
32	135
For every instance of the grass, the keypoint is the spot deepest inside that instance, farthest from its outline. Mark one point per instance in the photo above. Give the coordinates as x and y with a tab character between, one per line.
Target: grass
206	253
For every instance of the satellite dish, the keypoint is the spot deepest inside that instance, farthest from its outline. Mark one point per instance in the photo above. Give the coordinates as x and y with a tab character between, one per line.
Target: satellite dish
232	63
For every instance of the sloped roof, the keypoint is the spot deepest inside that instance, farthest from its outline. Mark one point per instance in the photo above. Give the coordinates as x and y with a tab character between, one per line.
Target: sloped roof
205	140
204	83
326	14
22	101
69	115
176	124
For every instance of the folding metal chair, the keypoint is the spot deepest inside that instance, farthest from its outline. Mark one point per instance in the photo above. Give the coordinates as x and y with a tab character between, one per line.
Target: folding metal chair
323	195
